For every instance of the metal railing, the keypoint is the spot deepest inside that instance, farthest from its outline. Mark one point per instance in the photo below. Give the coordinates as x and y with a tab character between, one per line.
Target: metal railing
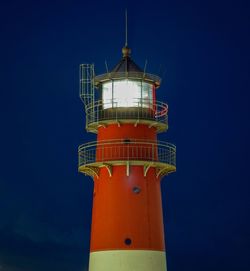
136	109
127	150
86	90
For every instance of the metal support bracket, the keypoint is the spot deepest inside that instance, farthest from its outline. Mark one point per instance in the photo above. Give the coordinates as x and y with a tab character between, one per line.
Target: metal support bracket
118	123
146	168
127	168
152	124
136	123
94	171
109	169
102	125
161	172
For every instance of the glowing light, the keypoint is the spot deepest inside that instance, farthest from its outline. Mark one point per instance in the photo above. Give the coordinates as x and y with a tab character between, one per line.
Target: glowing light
127	93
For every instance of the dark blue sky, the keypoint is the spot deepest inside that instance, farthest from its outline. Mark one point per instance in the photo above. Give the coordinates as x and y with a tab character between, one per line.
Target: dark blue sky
203	49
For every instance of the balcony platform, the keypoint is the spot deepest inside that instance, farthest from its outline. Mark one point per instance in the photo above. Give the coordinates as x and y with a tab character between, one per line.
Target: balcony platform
153	115
95	155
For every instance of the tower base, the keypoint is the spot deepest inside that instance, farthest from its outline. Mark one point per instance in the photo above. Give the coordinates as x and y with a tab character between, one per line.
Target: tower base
128	260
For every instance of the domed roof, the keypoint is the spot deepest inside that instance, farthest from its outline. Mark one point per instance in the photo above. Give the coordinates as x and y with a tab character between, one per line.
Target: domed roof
126	64
126	68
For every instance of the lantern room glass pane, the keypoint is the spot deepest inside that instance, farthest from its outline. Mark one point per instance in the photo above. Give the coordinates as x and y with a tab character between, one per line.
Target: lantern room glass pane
147	95
127	93
107	95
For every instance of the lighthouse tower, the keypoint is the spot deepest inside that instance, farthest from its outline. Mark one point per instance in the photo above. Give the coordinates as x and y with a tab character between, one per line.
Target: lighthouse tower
127	164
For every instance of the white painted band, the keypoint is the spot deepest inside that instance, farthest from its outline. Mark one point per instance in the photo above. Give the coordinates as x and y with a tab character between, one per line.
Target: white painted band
127	260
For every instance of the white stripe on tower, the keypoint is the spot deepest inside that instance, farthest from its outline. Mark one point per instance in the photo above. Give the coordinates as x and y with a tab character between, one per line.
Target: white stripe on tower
128	260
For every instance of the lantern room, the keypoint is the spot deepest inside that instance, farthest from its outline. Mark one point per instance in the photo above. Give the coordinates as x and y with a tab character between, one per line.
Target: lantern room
126	94
127	85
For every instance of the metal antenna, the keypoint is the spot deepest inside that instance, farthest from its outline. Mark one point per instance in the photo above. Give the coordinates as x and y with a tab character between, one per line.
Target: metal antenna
145	66
126	28
107	69
106	65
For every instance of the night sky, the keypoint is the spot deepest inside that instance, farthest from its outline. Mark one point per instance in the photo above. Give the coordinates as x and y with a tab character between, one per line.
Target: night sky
201	48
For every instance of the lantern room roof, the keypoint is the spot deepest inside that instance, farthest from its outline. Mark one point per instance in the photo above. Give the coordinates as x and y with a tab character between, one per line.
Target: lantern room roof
126	64
126	68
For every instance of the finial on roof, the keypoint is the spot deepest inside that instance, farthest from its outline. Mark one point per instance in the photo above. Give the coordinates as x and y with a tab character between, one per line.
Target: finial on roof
126	51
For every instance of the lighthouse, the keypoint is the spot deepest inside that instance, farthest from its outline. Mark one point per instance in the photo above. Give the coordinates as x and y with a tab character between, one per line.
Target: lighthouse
127	164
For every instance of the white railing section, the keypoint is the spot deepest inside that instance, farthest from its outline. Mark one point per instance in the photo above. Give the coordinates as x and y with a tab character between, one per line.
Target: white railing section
136	109
127	150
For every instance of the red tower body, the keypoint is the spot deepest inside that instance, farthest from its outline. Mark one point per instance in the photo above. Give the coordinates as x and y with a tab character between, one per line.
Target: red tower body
127	164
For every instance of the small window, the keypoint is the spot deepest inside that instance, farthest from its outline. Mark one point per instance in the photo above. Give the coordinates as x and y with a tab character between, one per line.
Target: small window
128	241
136	189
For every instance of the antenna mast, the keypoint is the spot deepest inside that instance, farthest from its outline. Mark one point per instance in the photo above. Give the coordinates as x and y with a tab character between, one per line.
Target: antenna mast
126	28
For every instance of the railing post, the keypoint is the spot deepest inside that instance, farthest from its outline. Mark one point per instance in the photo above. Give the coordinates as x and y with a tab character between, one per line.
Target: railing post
128	152
153	159
102	152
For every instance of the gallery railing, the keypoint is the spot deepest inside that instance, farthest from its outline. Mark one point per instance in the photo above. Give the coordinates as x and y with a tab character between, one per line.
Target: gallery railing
122	110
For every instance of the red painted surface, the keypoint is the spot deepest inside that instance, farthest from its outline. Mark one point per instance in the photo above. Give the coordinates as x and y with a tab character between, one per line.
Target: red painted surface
126	131
121	148
119	213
